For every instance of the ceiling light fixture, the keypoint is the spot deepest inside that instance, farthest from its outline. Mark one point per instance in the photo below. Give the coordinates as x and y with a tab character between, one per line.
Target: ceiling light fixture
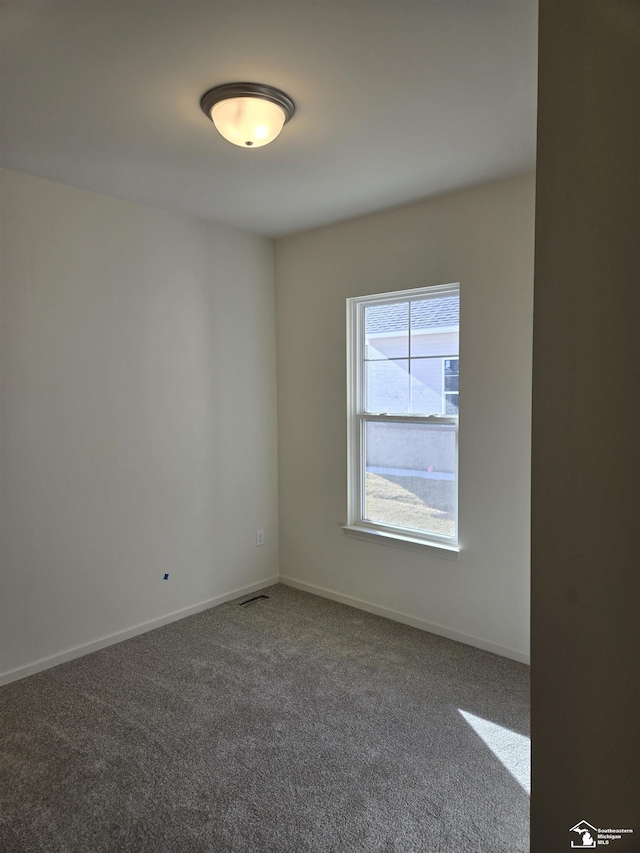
248	114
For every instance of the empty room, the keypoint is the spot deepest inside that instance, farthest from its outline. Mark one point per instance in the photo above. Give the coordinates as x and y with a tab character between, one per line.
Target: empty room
268	386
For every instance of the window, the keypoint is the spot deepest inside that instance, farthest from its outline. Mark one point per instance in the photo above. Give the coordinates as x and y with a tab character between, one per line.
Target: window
403	402
450	381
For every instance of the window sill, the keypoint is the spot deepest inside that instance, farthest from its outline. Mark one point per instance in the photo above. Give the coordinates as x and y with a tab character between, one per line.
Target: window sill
407	543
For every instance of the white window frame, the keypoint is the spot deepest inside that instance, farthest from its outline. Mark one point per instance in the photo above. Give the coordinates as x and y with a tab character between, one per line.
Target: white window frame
357	418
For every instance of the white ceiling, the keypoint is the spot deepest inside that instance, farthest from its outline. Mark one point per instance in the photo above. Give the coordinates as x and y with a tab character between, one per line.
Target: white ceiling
396	100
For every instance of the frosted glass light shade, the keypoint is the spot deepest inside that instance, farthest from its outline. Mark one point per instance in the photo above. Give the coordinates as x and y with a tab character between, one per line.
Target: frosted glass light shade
247	114
248	122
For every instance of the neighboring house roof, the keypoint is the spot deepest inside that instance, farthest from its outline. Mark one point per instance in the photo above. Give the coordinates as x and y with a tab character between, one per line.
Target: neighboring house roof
425	314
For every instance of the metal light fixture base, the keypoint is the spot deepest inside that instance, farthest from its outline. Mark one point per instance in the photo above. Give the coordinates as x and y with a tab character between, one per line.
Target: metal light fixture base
247	90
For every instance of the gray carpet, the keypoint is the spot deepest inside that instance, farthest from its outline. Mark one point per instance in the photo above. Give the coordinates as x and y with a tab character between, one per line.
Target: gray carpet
290	724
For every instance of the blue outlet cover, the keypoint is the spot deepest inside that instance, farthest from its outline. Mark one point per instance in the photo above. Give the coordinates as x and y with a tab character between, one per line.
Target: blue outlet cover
166	577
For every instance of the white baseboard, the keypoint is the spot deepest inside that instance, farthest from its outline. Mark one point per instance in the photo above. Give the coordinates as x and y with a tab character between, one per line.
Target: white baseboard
396	616
118	637
370	607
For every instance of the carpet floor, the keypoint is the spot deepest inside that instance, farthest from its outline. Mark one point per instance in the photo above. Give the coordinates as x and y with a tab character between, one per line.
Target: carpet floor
289	724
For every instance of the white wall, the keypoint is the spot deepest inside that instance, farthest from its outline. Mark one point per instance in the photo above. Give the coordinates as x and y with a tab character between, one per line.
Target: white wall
138	428
138	416
482	238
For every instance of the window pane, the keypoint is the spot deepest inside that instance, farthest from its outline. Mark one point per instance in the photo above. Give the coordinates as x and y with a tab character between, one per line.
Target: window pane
387	331
451	404
426	386
410	476
387	386
434	326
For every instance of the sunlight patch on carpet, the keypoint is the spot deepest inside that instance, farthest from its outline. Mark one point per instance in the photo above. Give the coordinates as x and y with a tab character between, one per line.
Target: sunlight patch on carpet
513	750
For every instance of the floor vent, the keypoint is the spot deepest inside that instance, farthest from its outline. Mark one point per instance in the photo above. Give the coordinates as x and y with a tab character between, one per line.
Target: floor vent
252	600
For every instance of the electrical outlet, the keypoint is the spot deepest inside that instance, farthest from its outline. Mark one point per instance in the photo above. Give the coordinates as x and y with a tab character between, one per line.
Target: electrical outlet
260	537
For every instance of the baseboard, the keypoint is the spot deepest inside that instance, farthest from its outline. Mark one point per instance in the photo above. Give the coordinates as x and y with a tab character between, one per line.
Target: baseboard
118	637
396	616
370	607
